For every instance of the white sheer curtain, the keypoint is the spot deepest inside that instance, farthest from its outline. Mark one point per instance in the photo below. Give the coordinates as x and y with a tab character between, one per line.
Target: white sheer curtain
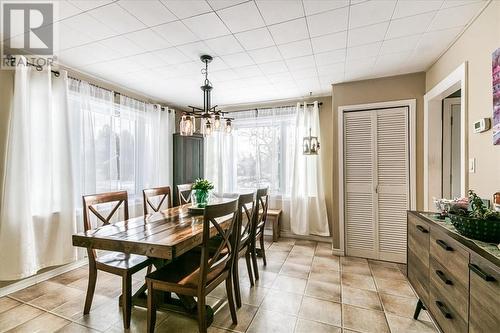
307	203
37	211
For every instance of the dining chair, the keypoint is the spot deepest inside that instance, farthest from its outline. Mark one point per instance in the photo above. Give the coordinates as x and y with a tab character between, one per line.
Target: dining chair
197	273
117	263
148	194
182	191
258	229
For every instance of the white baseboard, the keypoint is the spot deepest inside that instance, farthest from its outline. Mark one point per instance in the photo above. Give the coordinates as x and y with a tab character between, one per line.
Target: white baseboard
338	252
28	282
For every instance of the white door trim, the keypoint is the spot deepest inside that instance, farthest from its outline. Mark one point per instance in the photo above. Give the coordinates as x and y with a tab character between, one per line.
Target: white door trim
412	105
432	120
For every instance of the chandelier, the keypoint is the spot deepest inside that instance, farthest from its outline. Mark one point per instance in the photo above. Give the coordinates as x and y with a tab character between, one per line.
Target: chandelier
211	119
310	144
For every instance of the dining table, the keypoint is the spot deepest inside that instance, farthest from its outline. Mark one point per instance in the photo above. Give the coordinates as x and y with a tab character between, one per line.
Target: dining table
162	236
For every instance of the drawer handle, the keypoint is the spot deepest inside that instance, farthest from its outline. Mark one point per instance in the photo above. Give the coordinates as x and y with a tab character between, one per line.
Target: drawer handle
443	278
444	245
444	310
485	276
422	229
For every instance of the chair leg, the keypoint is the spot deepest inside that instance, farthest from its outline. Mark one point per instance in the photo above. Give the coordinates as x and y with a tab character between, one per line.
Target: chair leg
249	267
254	260
236	283
126	299
262	249
202	315
90	288
151	309
230	299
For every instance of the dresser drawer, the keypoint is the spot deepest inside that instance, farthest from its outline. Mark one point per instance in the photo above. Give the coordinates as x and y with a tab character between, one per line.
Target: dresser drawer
484	316
445	315
453	292
418	256
450	254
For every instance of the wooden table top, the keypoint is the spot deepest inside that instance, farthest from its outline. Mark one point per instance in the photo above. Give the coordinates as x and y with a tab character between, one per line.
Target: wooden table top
165	235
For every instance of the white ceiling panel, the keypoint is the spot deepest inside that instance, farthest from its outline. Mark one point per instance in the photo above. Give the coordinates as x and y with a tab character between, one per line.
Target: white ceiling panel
290	31
242	17
238	60
328	22
172	56
255	39
275	11
224	45
455	16
194	50
69	37
296	49
267	54
330	57
300	63
117	18
413	7
363	51
183	9
318	6
88	54
176	33
400	44
65	9
368	34
125	46
89	4
148	40
150	59
248	71
149	12
411	25
332	69
220	4
207	26
371	12
329	42
455	3
273	67
89	26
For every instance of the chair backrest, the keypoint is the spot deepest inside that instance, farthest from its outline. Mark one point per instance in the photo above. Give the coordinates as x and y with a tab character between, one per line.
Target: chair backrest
246	216
149	193
222	259
261	213
184	193
90	201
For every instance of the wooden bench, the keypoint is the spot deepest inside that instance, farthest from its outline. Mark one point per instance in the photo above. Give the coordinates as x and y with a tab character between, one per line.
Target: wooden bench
273	216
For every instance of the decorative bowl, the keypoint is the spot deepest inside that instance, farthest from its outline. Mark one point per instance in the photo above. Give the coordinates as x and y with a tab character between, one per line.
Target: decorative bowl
483	230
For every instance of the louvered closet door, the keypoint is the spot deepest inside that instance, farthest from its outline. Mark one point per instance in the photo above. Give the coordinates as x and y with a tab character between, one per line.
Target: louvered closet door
359	203
376	183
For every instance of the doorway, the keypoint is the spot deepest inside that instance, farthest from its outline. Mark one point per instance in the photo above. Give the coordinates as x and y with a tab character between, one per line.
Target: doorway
451	186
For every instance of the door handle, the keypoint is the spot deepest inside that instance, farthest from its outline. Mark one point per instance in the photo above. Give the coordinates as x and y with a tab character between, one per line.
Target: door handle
444	310
444	245
422	229
485	276
443	277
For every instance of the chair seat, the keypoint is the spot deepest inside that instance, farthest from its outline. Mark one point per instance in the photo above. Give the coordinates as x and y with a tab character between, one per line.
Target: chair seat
185	271
123	261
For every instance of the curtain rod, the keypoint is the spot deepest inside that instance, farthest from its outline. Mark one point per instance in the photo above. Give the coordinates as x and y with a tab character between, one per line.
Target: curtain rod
274	107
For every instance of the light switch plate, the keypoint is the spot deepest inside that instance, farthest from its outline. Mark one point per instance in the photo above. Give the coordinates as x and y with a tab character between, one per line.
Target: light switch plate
472	165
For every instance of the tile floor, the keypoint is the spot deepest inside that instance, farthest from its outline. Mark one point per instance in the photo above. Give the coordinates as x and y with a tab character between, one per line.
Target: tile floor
303	288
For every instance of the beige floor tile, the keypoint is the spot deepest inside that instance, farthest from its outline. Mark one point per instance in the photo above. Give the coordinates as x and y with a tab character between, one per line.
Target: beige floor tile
220	290
245	314
272	266
308	326
283	302
295	270
290	284
270	321
306	243
103	317
71	276
402	306
7	303
37	290
54	298
325	275
394	287
362	298
353	259
302	250
326	263
17	316
180	324
391	273
280	247
382	263
138	322
358	281
75	328
356	268
324	290
44	323
320	310
276	256
299	259
252	295
408	325
324	250
363	320
266	279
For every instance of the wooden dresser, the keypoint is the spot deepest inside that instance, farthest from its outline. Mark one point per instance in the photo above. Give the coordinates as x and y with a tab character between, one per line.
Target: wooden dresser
457	280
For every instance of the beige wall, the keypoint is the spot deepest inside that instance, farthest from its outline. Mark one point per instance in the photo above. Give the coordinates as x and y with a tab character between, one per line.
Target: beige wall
475	47
401	87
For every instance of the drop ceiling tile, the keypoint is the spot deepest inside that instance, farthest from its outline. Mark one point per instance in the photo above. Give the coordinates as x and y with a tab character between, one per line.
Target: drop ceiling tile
148	39
124	45
69	37
248	71
171	56
221	76
318	6
278	78
304	73
455	16
255	39
238	60
412	7
89	26
363	51
267	54
176	33
242	17
65	9
363	66
151	13
330	57
328	22
371	12
89	4
150	59
296	49
301	63
193	51
332	69
224	45
273	67
329	42
183	9
207	26
368	34
88	54
410	25
455	3
290	31
397	45
275	11
438	40
117	18
393	60
220	4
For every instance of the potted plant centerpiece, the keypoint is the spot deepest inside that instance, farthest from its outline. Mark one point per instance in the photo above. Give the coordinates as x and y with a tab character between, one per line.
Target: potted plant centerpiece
201	192
478	222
